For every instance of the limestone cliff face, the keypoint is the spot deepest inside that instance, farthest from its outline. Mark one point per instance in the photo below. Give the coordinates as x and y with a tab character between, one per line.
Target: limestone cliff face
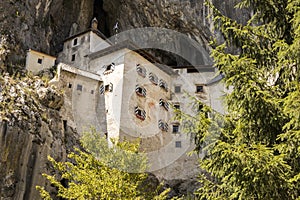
30	129
41	24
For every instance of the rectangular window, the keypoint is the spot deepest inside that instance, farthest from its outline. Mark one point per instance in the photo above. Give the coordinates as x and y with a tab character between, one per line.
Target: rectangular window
108	87
177	89
163	85
140	91
175	128
164	104
163	125
79	87
153	78
75	41
70	85
178	144
92	91
109	68
141	70
40	61
199	88
139	113
73	57
176	106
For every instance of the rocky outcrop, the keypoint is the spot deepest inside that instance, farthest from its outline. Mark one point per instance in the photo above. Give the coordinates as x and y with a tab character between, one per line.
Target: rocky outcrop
44	25
41	25
30	129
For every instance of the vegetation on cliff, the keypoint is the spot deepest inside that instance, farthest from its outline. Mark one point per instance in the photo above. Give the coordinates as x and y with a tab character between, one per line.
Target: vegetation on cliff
253	152
102	173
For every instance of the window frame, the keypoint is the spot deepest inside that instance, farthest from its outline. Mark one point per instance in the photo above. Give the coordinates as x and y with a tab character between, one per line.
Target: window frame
177	129
178	144
73	57
141	70
109	68
153	78
163	125
140	113
79	87
164	104
140	91
163	85
202	90
40	61
75	42
176	86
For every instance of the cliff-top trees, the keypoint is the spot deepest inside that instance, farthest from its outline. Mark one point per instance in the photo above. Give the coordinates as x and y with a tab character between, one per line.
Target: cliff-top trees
255	153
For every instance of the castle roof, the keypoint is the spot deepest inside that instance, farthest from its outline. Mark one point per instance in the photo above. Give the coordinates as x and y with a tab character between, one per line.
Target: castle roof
97	32
128	44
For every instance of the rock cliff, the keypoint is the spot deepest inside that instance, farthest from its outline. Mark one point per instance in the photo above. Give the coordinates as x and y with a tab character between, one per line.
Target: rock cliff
43	25
30	130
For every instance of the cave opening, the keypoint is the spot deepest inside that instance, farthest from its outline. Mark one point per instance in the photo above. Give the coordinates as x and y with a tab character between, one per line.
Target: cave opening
102	17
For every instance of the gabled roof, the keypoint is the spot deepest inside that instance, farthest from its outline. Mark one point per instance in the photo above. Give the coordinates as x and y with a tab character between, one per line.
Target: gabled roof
128	44
97	32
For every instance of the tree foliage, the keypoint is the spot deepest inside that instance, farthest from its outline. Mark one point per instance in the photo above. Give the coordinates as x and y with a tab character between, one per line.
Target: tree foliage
101	173
253	153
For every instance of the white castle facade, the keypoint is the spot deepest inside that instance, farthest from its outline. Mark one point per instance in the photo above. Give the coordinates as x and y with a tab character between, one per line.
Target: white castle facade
123	94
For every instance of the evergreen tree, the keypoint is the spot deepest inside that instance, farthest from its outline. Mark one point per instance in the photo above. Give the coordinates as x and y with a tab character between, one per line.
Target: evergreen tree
254	151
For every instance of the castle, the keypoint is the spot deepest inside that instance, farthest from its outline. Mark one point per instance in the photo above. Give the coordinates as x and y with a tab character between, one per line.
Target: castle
121	92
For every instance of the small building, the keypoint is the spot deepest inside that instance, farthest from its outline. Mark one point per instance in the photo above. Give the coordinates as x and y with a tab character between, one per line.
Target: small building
37	61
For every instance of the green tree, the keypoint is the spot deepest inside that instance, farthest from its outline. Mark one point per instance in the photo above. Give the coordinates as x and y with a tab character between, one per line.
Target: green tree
102	172
253	152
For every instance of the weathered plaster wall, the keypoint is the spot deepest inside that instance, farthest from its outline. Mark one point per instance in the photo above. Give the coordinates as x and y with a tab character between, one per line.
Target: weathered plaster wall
82	101
34	66
153	137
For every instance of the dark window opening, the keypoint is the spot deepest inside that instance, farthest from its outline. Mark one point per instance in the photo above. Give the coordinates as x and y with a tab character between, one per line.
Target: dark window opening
92	91
140	91
163	85
177	106
109	68
163	125
199	88
178	144
139	113
73	57
79	87
164	104
75	41
177	89
141	70
70	85
153	78
192	70
108	87
40	61
175	128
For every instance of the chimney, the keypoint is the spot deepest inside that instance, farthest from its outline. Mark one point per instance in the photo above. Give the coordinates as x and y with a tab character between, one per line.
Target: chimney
94	24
